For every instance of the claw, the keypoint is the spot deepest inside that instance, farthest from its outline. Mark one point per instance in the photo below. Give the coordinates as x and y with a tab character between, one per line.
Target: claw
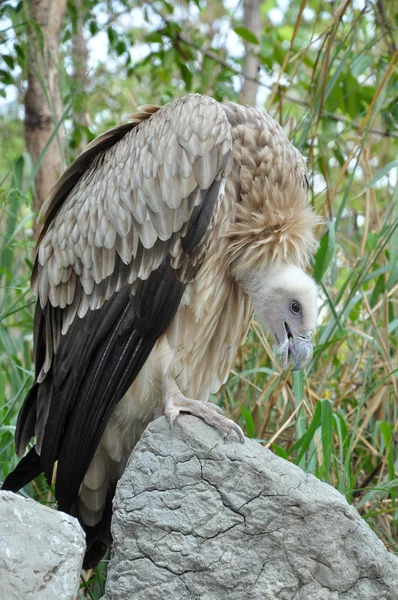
176	402
238	431
171	414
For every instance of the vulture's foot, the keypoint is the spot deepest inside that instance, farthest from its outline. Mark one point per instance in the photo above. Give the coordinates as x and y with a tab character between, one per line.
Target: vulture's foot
175	402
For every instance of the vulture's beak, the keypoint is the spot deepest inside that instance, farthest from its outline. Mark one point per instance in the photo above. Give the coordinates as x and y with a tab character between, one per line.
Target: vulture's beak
298	348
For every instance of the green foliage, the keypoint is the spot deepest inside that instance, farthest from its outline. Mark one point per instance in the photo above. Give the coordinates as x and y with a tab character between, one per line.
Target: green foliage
246	34
15	311
329	75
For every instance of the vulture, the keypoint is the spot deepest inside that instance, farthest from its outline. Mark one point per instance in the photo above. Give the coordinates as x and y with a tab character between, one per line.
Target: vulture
159	242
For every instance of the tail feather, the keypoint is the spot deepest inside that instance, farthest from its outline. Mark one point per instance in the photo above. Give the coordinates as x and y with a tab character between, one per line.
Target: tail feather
27	469
26	422
98	538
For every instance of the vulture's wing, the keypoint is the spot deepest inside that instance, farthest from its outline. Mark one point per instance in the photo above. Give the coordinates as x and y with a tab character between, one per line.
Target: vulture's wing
126	228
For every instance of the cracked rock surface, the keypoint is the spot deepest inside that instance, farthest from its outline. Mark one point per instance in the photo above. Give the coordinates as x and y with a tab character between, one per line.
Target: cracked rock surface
203	519
41	551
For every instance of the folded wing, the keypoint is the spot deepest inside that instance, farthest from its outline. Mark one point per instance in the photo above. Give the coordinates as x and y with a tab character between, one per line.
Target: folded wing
126	228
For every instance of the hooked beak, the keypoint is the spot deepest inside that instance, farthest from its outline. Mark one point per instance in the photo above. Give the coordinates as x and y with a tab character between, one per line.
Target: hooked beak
298	348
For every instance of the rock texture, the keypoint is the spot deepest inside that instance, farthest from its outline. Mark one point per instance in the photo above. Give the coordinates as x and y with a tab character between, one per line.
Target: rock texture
203	519
41	551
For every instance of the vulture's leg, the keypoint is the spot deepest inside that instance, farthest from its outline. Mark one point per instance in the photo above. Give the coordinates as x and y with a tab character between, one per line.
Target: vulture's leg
175	402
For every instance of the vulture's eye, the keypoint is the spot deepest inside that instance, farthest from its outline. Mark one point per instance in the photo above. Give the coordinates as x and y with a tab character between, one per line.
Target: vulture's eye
295	308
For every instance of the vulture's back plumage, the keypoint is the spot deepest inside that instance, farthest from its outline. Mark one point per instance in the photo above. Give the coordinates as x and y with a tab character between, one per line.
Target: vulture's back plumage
140	269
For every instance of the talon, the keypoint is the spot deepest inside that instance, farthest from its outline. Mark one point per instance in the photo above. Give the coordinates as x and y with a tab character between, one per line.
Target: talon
239	432
171	416
175	403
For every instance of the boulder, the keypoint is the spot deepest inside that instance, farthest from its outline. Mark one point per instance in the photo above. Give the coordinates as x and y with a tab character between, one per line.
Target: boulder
41	551
197	517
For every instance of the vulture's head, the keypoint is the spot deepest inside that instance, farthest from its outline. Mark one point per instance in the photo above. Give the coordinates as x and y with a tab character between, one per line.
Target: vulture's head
285	302
271	237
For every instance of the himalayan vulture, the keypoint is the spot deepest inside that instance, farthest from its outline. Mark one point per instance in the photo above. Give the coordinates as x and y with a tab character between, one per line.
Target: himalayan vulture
159	243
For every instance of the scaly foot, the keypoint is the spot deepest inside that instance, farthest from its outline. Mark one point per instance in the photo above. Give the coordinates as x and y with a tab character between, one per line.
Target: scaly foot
175	402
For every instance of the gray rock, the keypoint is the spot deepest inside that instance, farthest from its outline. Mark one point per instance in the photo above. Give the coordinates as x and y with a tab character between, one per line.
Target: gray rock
199	518
41	551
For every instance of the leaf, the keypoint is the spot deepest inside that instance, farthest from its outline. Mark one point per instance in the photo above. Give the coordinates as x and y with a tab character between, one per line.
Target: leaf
386	431
207	72
249	421
8	60
371	242
20	52
352	96
246	34
186	75
93	27
112	35
154	36
285	32
168	7
73	12
327	440
381	173
6	77
360	64
325	253
307	437
377	291
355	312
339	156
393	326
120	47
279	451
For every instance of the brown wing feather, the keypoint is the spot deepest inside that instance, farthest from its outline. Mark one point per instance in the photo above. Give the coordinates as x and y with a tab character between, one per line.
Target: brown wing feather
126	228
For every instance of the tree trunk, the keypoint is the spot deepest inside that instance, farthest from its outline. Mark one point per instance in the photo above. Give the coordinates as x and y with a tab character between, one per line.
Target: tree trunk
252	20
43	104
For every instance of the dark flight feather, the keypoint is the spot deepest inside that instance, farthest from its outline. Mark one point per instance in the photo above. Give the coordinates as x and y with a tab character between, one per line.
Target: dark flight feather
27	469
83	373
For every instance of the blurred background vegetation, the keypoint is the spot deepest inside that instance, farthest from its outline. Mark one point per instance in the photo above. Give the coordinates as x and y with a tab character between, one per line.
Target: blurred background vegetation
327	71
